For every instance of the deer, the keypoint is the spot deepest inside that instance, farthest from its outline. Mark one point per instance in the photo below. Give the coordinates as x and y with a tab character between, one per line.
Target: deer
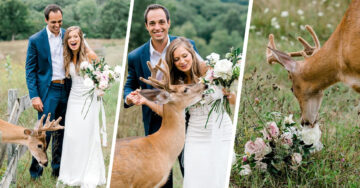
336	61
147	161
34	139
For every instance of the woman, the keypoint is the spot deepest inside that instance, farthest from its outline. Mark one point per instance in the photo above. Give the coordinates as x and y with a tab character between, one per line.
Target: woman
207	150
82	162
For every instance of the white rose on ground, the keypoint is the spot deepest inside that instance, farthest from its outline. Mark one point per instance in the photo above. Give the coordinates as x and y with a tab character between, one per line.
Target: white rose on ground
262	166
288	120
103	85
99	92
83	65
246	170
223	69
296	159
88	82
312	136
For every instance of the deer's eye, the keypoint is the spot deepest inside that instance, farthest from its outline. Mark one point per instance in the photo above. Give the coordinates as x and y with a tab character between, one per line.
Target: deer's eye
292	89
39	146
186	89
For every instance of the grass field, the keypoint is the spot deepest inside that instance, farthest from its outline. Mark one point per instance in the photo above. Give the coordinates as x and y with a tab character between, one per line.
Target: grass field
266	89
14	77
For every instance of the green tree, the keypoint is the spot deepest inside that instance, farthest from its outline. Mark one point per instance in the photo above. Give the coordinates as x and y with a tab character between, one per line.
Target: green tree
13	16
114	18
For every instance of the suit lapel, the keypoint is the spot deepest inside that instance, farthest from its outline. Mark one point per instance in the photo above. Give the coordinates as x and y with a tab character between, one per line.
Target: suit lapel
46	45
145	56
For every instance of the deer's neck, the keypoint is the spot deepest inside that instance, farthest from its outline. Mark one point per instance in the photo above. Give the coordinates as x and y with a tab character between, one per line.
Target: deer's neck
170	137
322	69
11	133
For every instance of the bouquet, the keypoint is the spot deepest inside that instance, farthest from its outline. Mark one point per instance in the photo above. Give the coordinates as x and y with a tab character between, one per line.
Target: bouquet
99	76
222	72
280	148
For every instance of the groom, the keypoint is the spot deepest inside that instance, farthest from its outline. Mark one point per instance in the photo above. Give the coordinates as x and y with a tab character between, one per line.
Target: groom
46	82
157	23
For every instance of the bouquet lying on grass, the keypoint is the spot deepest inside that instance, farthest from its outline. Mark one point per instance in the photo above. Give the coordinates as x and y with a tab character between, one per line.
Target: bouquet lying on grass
280	148
99	76
222	72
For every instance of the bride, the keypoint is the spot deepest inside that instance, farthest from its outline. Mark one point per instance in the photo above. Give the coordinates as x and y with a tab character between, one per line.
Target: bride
82	162
207	149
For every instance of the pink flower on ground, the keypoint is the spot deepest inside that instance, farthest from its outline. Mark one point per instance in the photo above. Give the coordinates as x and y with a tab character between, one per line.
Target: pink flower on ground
273	129
259	148
244	158
296	159
286	138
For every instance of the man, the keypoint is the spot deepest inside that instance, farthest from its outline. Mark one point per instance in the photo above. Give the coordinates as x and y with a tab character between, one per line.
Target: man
157	23
45	78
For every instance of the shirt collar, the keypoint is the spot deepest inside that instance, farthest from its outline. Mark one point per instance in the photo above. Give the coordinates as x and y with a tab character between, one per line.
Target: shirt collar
152	49
50	34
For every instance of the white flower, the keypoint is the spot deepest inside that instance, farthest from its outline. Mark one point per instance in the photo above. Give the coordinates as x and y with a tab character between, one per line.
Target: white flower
262	166
223	69
266	10
209	76
293	24
289	120
320	14
106	67
90	67
246	170
284	14
312	136
83	65
103	84
99	92
213	56
300	12
88	82
296	159
117	70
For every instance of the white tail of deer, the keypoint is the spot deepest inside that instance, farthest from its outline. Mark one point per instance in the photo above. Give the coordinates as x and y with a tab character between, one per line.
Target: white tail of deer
33	139
147	161
337	61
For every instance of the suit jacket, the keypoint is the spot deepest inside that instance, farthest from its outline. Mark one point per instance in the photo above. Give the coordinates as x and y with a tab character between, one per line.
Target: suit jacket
39	65
137	68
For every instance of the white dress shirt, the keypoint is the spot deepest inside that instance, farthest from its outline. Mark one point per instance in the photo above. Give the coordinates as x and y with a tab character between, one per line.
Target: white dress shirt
57	57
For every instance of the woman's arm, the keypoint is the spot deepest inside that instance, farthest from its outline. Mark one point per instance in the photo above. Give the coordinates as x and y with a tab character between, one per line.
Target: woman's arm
91	55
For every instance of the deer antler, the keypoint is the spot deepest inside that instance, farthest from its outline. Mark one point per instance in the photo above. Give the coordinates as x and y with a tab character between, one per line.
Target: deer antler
270	57
49	126
165	82
308	50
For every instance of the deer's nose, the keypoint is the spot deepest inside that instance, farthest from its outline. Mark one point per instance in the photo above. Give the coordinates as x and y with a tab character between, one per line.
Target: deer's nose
45	164
206	86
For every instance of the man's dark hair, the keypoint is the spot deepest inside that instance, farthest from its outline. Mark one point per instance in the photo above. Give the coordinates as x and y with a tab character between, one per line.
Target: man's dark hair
51	8
156	6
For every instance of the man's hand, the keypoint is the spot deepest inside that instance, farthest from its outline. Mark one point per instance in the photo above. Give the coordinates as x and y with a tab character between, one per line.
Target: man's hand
37	104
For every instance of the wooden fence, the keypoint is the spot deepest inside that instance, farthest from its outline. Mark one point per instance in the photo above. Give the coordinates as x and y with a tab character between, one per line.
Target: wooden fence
16	105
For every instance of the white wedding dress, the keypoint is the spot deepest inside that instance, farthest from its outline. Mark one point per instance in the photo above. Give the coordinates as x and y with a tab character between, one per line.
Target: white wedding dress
207	150
82	162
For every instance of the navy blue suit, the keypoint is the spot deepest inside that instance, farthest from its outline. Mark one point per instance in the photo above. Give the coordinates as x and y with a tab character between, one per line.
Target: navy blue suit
137	68
53	96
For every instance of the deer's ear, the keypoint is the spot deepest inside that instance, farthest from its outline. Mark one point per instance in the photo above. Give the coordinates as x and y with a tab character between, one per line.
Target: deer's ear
156	95
28	132
284	59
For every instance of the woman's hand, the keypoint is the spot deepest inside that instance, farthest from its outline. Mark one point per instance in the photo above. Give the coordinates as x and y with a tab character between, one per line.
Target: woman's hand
230	96
138	99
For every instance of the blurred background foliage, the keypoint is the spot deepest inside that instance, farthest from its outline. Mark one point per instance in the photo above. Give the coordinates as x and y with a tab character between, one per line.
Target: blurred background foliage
98	18
214	25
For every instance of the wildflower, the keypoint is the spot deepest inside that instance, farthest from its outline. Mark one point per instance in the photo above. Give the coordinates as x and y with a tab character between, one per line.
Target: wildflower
300	12
320	14
284	14
246	170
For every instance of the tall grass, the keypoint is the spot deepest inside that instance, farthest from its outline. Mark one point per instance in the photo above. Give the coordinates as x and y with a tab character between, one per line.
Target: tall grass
112	50
267	89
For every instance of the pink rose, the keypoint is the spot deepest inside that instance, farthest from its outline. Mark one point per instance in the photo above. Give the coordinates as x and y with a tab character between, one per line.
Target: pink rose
259	148
244	158
273	129
296	159
286	138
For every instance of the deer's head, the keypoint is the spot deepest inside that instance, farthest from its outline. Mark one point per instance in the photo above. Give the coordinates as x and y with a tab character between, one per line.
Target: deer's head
308	93
179	95
36	138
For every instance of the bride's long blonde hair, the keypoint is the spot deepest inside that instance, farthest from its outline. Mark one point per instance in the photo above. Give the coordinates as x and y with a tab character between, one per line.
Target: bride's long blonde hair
68	55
